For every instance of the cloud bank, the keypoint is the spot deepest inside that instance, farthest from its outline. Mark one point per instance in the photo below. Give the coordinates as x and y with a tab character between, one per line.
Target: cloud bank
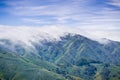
50	19
27	34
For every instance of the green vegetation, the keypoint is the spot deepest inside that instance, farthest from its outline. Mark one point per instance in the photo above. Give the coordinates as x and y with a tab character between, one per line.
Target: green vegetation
13	67
72	58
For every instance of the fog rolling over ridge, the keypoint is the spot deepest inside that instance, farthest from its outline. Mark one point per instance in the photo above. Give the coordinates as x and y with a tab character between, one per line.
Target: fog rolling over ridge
53	33
58	53
59	39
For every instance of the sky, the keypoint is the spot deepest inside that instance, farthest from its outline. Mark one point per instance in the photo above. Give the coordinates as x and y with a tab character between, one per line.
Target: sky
98	17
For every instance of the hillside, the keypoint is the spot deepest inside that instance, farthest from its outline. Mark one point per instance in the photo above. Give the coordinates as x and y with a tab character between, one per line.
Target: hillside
74	57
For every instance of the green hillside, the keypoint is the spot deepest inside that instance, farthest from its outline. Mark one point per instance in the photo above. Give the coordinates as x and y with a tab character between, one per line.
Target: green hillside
13	67
73	58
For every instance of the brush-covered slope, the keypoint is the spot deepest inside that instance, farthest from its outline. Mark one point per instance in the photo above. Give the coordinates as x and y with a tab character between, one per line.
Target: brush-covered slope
73	57
73	48
14	67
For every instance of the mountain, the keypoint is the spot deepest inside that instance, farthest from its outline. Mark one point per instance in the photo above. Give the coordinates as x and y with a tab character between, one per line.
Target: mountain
70	57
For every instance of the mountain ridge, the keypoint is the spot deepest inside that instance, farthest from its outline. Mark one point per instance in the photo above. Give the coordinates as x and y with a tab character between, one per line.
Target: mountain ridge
74	57
75	41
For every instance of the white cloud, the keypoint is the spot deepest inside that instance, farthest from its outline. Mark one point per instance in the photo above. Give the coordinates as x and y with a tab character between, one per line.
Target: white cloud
93	21
63	12
69	7
53	33
114	3
36	21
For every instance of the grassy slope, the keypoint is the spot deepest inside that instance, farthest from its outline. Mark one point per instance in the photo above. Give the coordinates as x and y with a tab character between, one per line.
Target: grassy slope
13	67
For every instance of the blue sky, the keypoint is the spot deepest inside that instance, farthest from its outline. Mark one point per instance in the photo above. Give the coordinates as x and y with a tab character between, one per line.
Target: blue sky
97	18
60	12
